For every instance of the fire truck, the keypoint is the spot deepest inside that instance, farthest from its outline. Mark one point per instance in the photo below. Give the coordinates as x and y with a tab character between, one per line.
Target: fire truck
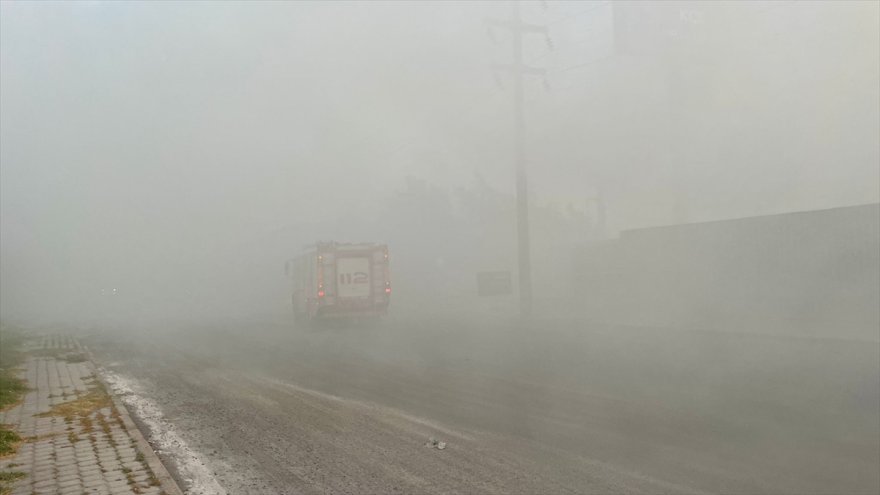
332	279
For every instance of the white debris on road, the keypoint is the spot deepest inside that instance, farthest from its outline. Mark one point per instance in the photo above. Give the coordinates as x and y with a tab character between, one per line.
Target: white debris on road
435	444
164	437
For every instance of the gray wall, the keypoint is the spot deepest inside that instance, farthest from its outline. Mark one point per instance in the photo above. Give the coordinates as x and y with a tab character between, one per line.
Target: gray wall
808	273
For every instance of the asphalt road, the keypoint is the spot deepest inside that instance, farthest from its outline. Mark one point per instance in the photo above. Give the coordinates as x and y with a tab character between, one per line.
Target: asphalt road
563	407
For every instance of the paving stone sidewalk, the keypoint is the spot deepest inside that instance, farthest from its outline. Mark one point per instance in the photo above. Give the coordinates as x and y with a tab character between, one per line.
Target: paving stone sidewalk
75	440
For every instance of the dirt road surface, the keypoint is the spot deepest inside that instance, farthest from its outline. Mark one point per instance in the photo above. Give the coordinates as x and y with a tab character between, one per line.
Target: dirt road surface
258	406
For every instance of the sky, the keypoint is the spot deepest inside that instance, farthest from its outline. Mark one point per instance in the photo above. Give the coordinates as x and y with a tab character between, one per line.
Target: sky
139	139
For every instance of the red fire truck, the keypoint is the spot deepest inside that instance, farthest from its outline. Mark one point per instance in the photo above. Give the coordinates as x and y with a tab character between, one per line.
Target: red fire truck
332	279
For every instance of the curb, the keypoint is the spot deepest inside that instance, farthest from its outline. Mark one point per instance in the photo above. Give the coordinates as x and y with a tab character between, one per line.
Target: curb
166	481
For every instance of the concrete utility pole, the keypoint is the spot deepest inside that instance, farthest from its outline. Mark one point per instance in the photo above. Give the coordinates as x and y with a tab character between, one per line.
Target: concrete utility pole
517	69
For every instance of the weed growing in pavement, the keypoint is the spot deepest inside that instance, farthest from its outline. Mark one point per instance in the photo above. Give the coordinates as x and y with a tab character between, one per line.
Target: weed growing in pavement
6	480
37	438
11	387
86	423
8	441
139	457
95	399
72	437
7	476
105	427
131	481
11	341
154	481
114	413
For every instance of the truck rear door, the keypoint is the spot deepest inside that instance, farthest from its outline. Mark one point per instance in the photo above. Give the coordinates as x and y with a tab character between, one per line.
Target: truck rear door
353	279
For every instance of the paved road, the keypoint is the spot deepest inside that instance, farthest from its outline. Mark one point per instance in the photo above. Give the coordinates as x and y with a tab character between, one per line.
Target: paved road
560	408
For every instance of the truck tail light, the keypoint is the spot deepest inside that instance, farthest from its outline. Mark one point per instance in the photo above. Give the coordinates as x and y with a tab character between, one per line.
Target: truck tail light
321	293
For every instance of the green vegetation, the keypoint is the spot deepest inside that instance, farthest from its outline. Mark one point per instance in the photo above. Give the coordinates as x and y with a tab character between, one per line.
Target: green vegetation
6	480
9	476
8	439
11	387
11	340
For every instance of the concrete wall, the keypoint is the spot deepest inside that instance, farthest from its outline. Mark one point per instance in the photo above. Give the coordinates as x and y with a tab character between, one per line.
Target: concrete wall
809	273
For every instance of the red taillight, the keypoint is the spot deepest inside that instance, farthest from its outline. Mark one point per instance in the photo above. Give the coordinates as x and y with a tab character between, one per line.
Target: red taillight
320	293
388	290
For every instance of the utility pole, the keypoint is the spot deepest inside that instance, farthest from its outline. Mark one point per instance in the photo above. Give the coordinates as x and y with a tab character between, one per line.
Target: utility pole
517	69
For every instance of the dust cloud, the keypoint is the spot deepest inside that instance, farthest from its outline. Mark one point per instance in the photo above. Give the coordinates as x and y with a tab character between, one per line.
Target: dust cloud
179	152
703	188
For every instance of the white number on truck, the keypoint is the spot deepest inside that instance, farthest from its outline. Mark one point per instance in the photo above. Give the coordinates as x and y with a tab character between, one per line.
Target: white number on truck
353	277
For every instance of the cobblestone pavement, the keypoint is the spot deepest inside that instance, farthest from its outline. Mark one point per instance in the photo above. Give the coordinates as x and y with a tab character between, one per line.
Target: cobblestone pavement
74	437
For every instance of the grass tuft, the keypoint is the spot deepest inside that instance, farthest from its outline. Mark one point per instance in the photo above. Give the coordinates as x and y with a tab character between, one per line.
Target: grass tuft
11	341
9	476
153	480
11	388
86	423
8	441
6	480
